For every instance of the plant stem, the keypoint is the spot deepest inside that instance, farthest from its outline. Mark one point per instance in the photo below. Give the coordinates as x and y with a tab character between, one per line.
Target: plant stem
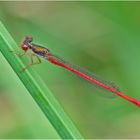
37	88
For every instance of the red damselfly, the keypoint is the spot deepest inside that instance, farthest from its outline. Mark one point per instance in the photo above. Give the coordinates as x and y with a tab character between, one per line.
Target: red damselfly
39	51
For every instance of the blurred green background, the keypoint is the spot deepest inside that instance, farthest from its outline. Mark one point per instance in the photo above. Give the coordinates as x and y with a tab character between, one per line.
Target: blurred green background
100	36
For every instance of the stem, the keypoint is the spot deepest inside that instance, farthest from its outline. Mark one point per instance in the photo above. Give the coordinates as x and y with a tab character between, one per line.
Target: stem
38	90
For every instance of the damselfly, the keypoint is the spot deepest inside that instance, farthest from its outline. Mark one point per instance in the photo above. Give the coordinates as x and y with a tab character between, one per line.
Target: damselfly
40	51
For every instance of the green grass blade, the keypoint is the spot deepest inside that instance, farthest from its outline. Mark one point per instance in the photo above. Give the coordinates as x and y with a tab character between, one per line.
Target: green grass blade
39	91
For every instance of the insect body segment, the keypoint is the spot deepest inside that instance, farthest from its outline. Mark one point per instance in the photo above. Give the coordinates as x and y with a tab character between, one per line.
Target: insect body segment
36	50
25	45
39	50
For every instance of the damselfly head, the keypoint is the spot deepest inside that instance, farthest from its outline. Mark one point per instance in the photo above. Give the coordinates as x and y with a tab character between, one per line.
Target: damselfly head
28	39
25	45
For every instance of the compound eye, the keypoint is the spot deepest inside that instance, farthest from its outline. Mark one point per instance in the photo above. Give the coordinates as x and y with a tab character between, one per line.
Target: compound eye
24	47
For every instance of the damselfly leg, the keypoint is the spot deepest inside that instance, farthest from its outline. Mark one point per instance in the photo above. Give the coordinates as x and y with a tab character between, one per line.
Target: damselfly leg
32	61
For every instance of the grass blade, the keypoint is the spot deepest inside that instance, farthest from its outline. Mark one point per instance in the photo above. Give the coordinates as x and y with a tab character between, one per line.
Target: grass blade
39	91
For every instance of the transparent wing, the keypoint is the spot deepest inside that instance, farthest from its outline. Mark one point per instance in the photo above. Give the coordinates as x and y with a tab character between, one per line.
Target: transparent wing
61	62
